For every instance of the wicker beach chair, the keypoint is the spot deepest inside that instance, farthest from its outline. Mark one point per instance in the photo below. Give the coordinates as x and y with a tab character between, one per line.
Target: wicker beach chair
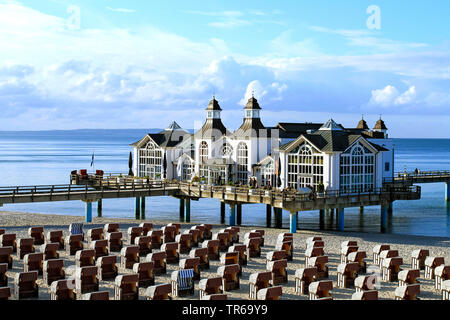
258	281
76	229
159	262
96	296
213	249
312	252
201	232
275	255
261	235
202	254
366	283
146	227
430	264
441	274
2	231
303	278
133	233
418	258
315	244
107	268
157	239
377	250
5	256
171	250
126	287
182	283
311	240
86	280
195	236
85	258
387	254
159	292
145	245
252	234
445	290
207	235
391	268
406	277
50	251
209	286
177	227
8	240
33	262
229	233
5	293
62	290
408	292
349	243
191	263
345	251
184	242
169	233
129	256
272	293
56	236
320	263
230	277
53	270
253	247
288	247
234	234
214	297
94	234
229	258
145	272
365	295
100	247
115	242
320	289
37	233
346	274
110	227
3	276
279	271
25	285
223	240
25	246
242	250
358	257
74	243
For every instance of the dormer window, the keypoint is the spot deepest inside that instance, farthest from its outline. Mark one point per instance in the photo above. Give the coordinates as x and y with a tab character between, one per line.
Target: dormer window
252	113
210	114
249	114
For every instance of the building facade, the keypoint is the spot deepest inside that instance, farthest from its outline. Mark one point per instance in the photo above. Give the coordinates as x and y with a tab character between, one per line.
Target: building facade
289	155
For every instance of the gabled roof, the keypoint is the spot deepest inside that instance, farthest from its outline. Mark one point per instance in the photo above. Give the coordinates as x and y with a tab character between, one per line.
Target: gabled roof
167	138
290	130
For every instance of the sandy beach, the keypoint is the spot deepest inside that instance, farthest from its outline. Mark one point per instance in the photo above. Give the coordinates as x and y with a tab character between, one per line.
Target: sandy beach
16	222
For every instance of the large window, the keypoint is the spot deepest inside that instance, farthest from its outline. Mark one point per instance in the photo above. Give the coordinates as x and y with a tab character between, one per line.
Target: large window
242	163
267	173
357	170
203	157
305	167
186	170
150	161
226	150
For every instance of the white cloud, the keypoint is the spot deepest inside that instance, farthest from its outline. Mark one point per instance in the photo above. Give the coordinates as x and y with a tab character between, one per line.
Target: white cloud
390	96
122	10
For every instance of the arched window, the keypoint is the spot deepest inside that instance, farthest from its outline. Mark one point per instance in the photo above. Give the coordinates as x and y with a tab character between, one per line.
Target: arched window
204	150
150	161
242	163
305	167
357	170
226	150
187	170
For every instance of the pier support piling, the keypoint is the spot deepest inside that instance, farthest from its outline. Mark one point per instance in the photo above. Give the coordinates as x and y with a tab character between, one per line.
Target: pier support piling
232	215
447	191
340	218
278	217
222	212
361	210
239	214
143	208
99	208
390	208
187	210
384	218
321	219
181	210
137	208
88	212
268	215
293	222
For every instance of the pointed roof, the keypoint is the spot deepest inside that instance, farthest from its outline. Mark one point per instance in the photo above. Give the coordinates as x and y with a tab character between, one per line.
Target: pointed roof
212	126
362	124
213	105
174	126
380	125
252	104
168	138
331	125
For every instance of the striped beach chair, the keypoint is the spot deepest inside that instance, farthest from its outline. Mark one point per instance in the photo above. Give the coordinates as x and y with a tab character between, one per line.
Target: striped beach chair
182	282
76	228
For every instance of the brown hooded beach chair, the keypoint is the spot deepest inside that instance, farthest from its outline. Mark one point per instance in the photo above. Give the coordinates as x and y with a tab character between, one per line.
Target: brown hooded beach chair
201	234
50	251
33	262
234	232
230	277
126	287
159	292
96	296
272	293
391	268
223	240
349	243
177	227
25	246
3	276
214	297
430	264
441	274
287	247
358	257
279	271
320	263
86	280
25	285
133	233
303	278
202	254
213	249
8	240
115	242
100	247
365	295
145	245
311	240
275	255
157	239
445	290
418	258
258	281
242	249
76	229
5	256
56	236
171	250
107	268
209	286
408	292
94	234
311	252
315	244
184	243
320	289
345	251
110	227
252	234
53	270
182	283
406	277
5	293
62	290
387	254
377	250
74	243
2	231
129	256
159	260
195	236
146	227
191	263
207	235
145	272
366	282
253	247
346	274
85	258
169	233
229	258
261	235
37	233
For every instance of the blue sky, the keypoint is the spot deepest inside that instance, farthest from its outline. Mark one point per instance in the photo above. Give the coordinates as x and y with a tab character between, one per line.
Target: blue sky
141	64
